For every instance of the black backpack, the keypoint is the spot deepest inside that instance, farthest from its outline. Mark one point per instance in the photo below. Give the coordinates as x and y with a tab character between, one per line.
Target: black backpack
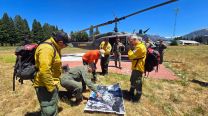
24	68
152	60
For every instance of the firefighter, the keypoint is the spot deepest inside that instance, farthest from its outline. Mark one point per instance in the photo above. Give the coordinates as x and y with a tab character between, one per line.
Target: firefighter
137	55
105	45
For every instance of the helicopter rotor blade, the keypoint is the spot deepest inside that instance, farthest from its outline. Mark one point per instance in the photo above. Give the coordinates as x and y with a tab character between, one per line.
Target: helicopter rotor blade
124	17
146	30
146	9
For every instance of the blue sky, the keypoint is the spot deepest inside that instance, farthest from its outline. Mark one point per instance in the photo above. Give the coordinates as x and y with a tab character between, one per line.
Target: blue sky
74	15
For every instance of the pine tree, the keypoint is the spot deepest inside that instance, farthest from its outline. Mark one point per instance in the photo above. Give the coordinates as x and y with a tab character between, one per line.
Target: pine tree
22	29
12	39
27	33
85	36
37	31
81	36
17	30
4	28
52	28
1	32
18	22
47	30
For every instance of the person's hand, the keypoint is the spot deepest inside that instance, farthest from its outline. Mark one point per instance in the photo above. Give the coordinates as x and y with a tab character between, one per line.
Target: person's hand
129	47
65	68
98	95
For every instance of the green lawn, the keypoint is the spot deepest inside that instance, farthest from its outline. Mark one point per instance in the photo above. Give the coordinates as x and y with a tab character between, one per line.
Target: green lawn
160	97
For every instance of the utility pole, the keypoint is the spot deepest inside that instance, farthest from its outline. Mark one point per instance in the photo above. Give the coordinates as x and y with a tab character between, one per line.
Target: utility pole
174	26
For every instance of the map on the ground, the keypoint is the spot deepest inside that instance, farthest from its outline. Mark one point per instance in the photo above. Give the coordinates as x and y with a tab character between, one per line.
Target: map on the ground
111	100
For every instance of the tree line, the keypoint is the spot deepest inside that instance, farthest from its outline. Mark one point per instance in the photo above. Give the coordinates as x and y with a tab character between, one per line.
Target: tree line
17	31
84	36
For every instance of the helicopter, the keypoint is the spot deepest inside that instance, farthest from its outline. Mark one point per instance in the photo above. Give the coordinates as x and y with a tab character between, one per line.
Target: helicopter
112	36
123	36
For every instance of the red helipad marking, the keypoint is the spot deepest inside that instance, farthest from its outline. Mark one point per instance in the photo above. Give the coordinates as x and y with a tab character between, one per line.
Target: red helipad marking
163	73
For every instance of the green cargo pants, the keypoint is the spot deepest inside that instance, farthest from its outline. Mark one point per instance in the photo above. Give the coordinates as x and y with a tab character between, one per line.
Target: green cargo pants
136	84
117	57
93	72
73	86
48	101
104	64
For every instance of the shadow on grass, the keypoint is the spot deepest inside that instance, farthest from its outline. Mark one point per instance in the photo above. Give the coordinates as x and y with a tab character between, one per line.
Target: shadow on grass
38	113
126	95
107	113
201	83
64	95
68	98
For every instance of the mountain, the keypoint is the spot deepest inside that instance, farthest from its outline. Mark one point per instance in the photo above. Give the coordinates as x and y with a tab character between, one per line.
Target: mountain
191	36
194	34
156	37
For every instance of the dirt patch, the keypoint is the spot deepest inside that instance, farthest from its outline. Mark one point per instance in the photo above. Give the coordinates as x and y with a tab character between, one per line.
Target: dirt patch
163	73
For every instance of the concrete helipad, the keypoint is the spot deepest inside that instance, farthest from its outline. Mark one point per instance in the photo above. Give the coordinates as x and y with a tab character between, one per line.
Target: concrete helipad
76	60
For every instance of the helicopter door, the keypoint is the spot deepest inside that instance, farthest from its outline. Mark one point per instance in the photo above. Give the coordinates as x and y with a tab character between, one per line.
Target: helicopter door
112	40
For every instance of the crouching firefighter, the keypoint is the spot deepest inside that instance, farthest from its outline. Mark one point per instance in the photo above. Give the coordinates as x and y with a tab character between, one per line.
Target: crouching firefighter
73	79
137	55
46	80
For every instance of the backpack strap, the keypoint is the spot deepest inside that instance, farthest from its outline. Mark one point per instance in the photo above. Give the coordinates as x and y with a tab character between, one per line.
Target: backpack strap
137	60
54	49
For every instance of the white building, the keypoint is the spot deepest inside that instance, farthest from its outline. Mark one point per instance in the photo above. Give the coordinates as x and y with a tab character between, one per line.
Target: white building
187	42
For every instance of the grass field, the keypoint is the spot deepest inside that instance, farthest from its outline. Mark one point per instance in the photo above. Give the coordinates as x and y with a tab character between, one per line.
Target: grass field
160	97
